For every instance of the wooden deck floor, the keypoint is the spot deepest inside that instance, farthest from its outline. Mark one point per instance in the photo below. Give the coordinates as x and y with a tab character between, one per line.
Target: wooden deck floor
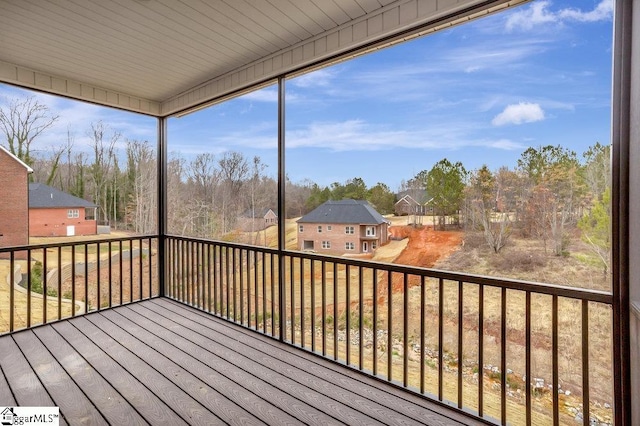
161	362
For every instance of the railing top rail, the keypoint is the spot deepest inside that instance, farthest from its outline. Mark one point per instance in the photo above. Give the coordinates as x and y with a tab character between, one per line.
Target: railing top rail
510	284
591	295
75	243
225	243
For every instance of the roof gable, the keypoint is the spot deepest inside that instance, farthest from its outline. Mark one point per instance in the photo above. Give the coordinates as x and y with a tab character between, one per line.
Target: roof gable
344	211
44	196
19	161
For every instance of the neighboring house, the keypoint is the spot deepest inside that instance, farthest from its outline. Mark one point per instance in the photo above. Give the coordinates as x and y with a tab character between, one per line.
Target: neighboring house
257	220
345	226
406	206
56	213
412	202
14	200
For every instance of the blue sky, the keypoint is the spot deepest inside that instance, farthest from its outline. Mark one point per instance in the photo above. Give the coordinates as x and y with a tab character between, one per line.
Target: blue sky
479	93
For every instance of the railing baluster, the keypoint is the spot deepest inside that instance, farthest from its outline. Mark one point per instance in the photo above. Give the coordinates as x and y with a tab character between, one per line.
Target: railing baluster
110	276
44	285
86	278
273	298
585	363
28	288
217	304
460	340
423	296
480	350
554	359
361	317
292	300
389	325
73	281
405	332
120	268
131	273
302	304
264	293
324	308
503	356
375	321
256	305
241	296
140	267
248	273
440	335
347	308
335	310
150	268
59	283
313	305
98	295
527	357
12	268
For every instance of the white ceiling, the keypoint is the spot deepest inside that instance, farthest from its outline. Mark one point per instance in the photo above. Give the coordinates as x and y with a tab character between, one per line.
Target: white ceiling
163	56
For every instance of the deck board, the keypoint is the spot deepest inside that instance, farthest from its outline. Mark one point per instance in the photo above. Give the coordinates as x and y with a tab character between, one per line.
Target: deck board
111	404
63	390
162	362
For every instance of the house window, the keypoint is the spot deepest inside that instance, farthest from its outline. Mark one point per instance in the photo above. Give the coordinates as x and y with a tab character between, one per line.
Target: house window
348	230
374	245
301	228
326	244
73	213
329	227
371	231
319	229
349	246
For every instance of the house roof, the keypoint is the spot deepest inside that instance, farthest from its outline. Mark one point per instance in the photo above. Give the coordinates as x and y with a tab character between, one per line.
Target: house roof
29	169
407	199
259	213
344	211
42	196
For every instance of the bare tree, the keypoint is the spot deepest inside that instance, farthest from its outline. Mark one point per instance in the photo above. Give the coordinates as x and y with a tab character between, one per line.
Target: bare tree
104	161
141	194
22	121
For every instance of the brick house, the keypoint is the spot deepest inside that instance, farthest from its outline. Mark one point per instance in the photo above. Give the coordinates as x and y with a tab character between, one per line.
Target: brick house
342	227
257	220
53	213
14	200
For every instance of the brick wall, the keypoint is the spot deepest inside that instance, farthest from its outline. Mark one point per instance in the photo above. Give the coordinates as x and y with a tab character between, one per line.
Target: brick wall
337	238
55	223
14	202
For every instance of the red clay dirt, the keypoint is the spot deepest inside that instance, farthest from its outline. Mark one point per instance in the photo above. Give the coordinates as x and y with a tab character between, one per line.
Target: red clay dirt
425	247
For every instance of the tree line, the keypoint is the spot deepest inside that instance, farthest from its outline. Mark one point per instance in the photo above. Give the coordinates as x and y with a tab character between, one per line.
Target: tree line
550	193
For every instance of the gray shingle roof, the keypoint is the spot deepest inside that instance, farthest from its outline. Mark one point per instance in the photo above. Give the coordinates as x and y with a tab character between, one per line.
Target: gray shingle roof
344	211
43	196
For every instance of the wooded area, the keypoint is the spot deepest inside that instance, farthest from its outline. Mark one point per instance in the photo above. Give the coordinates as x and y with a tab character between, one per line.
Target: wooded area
551	194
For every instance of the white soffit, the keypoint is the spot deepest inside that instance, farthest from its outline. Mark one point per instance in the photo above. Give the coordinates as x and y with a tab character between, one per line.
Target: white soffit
160	57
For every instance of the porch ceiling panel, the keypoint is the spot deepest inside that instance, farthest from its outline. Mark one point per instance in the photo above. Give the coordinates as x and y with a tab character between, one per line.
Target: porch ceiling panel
163	56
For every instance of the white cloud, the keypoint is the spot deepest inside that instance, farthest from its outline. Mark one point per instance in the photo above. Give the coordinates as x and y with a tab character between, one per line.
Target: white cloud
522	112
539	13
322	77
602	12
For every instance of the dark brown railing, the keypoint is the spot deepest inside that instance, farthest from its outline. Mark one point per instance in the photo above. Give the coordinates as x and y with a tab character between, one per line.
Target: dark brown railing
49	282
506	351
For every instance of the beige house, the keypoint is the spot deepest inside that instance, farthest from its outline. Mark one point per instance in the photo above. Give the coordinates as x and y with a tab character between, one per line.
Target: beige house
342	227
257	219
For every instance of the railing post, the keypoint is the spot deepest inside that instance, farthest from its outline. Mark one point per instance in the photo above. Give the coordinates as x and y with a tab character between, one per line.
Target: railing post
162	204
281	209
